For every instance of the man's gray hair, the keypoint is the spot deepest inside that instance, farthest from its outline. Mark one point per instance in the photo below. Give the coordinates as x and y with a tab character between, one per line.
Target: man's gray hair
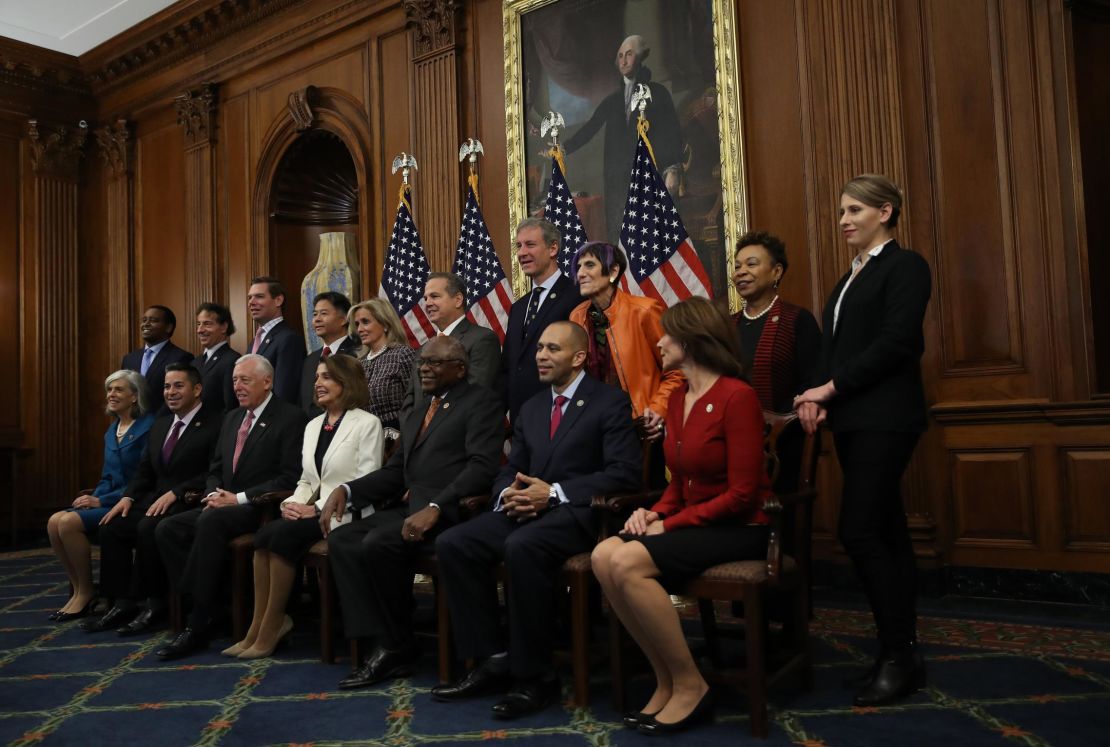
550	232
638	43
260	362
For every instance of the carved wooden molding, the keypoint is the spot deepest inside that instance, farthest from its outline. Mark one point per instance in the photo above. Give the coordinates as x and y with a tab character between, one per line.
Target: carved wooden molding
27	66
196	112
179	36
56	150
116	147
300	108
434	22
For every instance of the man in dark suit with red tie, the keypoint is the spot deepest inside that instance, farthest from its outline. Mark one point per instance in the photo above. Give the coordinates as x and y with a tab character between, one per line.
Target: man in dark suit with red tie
216	362
158	351
551	299
259	451
573	440
449	450
175	461
274	339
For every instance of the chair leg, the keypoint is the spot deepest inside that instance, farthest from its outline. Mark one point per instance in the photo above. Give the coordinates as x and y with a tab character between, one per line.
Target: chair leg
176	612
327	604
580	641
709	630
356	654
241	589
802	606
756	664
616	660
443	634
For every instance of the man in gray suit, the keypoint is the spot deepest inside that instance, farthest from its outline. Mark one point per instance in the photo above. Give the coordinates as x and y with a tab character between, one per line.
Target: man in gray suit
445	305
449	450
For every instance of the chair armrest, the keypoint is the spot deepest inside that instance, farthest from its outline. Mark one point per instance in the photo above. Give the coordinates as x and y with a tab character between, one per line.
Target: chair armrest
472	505
271	498
622	503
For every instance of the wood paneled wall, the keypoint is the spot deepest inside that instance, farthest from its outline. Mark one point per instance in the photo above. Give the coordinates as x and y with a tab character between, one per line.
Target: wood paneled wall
969	104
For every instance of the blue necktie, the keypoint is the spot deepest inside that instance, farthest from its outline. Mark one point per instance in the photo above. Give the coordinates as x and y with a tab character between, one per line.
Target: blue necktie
148	356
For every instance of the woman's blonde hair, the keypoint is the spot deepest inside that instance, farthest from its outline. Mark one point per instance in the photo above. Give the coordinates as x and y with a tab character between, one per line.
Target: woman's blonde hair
876	190
383	314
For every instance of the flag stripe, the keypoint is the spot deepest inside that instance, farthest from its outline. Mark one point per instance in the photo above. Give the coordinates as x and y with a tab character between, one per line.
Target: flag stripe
477	264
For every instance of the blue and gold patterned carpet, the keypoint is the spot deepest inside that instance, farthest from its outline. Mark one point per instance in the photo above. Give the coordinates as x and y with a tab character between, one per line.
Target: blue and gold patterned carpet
994	680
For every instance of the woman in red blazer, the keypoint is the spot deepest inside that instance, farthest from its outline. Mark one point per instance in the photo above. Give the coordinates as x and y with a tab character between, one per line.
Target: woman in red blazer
875	404
710	513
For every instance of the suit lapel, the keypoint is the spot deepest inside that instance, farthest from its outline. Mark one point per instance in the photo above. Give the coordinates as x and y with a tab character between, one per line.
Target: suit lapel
542	315
441	415
196	424
258	430
311	439
866	273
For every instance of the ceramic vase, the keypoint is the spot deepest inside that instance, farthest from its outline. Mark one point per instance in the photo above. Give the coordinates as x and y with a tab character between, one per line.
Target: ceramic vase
337	269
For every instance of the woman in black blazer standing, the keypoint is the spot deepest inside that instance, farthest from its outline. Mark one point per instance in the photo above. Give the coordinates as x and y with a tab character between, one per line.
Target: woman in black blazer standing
874	401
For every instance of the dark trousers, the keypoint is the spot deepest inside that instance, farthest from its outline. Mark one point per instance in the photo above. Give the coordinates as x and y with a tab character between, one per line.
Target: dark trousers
873	528
373	566
193	545
130	565
533	553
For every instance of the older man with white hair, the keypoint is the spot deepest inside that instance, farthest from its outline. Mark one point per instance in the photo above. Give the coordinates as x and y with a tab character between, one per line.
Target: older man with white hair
619	121
258	451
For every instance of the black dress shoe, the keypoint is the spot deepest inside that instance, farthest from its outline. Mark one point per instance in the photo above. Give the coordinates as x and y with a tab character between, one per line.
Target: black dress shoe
148	620
383	664
703	711
187	642
899	674
63	617
482	680
528	697
113	618
633	719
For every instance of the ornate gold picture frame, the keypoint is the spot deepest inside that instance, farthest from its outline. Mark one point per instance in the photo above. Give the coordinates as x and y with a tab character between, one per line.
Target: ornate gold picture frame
729	213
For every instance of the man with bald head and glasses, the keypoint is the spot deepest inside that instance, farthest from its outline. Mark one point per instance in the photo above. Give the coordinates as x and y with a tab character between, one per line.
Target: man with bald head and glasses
449	449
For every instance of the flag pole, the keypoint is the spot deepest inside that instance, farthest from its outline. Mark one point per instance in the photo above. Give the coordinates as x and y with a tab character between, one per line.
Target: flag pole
640	98
405	162
552	123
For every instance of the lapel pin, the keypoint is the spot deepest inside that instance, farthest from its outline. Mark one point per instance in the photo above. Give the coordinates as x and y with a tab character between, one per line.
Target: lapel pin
196	424
579	403
775	318
553	294
446	405
263	425
709	408
266	341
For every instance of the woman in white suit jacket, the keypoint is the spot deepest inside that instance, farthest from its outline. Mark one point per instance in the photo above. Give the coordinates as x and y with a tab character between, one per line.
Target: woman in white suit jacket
342	444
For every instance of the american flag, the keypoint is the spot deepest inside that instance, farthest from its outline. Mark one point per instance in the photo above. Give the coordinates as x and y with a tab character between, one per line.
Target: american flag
559	208
405	275
662	262
477	264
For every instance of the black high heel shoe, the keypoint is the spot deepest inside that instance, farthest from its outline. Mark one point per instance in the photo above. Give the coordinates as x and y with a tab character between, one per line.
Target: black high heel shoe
63	617
703	711
633	719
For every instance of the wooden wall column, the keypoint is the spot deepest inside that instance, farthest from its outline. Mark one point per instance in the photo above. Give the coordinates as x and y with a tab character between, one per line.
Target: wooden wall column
437	205
117	149
51	256
196	112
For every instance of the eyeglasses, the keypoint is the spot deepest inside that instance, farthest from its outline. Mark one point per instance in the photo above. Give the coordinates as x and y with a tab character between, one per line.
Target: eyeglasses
436	362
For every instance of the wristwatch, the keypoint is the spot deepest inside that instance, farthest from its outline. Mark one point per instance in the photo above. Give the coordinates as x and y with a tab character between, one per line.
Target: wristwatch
435	505
552	497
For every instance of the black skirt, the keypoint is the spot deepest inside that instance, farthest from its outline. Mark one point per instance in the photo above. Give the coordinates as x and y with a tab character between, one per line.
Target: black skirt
291	539
682	553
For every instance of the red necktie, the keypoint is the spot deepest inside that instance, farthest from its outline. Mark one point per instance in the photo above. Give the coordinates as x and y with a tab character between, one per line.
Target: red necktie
257	340
557	414
241	438
325	352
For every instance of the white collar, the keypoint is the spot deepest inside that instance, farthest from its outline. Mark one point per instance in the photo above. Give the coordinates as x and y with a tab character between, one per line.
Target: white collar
188	417
451	327
572	387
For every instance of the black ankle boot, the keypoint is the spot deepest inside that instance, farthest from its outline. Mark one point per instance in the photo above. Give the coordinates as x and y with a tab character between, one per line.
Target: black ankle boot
900	672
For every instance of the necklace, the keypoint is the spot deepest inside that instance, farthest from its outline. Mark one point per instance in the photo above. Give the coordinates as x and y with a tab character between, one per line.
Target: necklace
752	318
121	430
332	426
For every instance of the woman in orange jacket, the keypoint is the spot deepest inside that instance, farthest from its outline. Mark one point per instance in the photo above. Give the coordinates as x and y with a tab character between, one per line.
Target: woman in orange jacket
624	332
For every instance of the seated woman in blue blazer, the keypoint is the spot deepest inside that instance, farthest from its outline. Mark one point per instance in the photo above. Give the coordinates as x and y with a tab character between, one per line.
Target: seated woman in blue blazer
124	441
343	443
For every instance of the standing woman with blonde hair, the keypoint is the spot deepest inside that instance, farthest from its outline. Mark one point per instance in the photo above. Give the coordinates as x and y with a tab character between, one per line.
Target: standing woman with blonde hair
874	400
386	356
69	530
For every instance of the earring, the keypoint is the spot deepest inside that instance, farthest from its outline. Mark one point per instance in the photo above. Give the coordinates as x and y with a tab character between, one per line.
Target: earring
775	285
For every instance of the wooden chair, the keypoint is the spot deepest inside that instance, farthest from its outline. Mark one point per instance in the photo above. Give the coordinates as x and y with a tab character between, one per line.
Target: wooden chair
785	571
